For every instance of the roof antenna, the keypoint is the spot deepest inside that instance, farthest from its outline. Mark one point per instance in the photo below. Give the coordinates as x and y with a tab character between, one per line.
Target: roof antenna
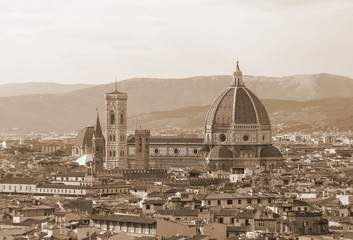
116	85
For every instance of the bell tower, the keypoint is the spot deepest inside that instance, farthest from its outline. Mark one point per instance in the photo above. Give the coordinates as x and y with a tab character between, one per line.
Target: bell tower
142	149
115	131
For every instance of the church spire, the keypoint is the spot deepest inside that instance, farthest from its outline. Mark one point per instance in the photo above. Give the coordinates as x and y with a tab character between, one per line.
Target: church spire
237	77
98	129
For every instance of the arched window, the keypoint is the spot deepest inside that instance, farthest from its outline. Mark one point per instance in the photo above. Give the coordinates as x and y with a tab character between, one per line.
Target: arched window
113	137
121	118
112	117
122	153
110	137
140	145
110	153
113	153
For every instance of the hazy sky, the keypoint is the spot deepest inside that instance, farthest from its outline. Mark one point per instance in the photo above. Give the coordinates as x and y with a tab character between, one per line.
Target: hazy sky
84	41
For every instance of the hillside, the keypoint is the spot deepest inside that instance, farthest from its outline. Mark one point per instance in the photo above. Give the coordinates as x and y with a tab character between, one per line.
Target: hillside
16	89
150	100
284	115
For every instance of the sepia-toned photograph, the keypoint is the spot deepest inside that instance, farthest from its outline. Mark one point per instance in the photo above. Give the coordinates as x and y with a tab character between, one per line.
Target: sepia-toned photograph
176	119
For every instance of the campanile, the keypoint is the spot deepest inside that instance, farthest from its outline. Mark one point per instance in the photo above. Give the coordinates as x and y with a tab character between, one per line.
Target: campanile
115	130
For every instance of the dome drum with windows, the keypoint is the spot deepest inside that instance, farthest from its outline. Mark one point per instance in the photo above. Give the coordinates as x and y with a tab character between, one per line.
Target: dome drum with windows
237	120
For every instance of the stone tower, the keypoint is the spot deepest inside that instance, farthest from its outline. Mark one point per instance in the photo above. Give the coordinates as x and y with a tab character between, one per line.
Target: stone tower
98	147
142	149
115	131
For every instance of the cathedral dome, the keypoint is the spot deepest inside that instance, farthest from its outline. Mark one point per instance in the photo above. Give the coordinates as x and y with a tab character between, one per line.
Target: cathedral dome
237	117
237	105
219	152
270	151
84	137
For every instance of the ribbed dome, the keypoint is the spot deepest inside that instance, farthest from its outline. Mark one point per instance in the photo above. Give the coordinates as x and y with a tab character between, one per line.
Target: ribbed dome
237	105
220	152
84	137
270	151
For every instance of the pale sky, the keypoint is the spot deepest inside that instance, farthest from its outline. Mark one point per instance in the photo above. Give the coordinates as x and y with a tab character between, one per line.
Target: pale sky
85	41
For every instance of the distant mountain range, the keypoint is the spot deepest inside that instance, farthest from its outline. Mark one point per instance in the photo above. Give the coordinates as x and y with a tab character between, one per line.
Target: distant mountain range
15	89
285	115
298	100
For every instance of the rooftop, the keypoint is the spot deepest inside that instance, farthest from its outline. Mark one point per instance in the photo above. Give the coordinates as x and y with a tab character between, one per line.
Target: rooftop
124	218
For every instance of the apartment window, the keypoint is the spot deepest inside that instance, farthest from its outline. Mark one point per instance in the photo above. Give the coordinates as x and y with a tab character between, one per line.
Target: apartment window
148	207
209	202
218	202
232	220
259	200
239	201
261	224
229	201
249	200
269	200
220	220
